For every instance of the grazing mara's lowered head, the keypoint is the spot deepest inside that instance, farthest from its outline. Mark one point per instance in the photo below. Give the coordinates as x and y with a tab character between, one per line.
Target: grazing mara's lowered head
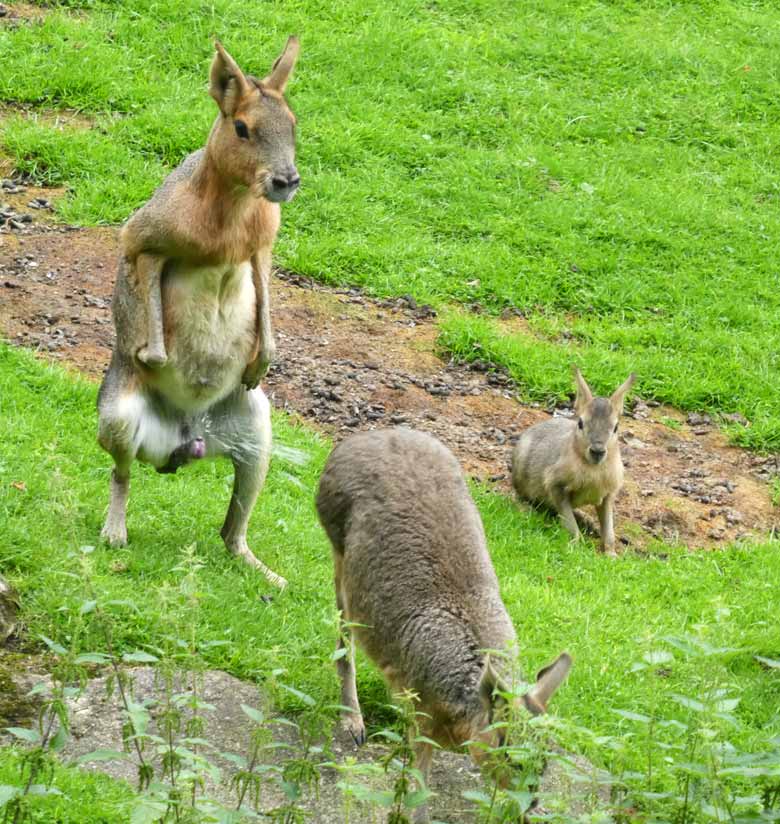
597	419
252	142
493	689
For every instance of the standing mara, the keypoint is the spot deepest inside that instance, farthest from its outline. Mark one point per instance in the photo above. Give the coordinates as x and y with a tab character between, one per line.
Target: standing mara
191	305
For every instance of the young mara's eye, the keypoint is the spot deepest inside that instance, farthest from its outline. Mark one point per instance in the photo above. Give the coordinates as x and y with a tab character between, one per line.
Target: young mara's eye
615	429
580	424
241	130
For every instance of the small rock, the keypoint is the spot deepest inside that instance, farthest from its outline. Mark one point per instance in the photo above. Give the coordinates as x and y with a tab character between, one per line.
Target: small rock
438	390
425	311
697	419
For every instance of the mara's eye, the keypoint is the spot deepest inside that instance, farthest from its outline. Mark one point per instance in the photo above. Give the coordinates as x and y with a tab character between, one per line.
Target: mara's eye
615	429
580	424
241	130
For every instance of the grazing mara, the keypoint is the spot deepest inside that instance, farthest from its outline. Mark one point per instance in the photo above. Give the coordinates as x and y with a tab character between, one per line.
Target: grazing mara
191	305
566	463
416	586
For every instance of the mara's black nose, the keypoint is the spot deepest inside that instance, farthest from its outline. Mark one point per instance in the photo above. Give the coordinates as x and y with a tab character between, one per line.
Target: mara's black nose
597	454
289	181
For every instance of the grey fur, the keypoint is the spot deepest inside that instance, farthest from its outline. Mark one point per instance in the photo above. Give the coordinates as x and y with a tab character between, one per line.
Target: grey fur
415	581
567	463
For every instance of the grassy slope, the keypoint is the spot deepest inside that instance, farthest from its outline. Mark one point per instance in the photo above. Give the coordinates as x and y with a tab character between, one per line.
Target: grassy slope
609	168
607	613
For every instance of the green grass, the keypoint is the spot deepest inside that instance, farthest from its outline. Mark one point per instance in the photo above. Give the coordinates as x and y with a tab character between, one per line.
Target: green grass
607	613
609	168
86	798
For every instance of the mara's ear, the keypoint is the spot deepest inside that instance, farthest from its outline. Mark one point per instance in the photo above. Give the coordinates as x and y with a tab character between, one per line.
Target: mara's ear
617	397
491	683
282	68
584	395
547	681
227	83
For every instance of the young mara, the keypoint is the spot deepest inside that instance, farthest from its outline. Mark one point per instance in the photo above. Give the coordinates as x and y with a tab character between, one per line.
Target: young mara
415	584
567	463
191	310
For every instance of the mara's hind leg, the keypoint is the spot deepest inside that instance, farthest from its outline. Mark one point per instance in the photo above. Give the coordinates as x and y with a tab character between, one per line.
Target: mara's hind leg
240	427
351	716
130	426
117	425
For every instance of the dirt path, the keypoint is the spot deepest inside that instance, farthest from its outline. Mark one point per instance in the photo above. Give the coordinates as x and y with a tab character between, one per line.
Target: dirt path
346	362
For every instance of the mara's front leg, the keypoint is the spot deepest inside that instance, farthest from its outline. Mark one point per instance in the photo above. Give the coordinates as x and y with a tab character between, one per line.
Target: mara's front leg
351	716
257	368
562	502
240	428
423	754
606	510
148	274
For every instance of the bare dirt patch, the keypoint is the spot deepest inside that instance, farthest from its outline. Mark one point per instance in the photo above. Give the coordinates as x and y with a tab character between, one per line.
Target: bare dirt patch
12	14
347	362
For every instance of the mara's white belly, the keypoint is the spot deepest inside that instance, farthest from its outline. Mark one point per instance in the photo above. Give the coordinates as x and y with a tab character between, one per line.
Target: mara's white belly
209	321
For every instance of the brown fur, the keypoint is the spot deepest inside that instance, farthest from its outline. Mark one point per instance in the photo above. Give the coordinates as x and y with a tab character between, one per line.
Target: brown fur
191	305
221	206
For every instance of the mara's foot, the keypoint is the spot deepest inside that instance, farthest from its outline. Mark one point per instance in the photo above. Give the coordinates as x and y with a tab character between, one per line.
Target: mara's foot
114	534
352	728
240	549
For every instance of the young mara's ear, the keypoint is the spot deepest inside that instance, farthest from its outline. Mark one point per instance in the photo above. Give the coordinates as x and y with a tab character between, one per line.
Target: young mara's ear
616	400
584	395
227	83
547	681
280	73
